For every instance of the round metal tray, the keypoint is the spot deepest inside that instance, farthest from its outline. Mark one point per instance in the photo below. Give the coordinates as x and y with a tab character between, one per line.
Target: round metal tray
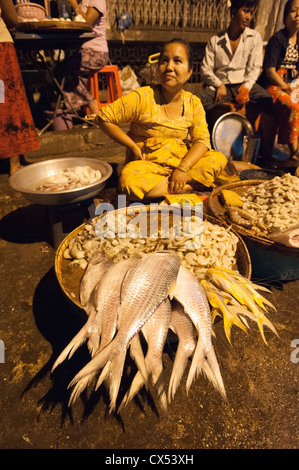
25	179
228	133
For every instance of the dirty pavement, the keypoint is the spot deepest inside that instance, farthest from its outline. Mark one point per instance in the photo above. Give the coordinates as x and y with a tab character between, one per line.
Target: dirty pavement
37	321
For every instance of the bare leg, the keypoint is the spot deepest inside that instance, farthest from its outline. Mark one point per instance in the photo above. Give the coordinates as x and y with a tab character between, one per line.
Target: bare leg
93	106
15	164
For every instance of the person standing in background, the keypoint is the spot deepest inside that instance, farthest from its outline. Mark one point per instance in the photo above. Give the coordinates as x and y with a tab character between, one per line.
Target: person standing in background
17	129
92	56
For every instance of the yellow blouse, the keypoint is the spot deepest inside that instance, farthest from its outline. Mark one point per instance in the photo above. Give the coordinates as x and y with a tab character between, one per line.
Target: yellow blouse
162	140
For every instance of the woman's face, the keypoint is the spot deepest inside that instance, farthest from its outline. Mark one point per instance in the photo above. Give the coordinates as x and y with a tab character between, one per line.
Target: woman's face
292	20
174	70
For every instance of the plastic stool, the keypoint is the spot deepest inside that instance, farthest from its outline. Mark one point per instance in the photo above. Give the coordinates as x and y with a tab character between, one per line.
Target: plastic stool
113	85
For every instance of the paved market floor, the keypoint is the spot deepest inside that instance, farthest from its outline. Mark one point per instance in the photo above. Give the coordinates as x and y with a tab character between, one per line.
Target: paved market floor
37	321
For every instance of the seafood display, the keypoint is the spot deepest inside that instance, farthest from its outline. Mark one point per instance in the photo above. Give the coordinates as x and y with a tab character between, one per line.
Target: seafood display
141	298
70	178
213	246
271	207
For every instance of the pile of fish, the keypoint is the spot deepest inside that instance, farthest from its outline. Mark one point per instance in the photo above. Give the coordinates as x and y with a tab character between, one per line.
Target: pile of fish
145	296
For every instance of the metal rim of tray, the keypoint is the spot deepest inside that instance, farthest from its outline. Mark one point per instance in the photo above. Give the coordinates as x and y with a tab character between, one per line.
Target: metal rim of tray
235	117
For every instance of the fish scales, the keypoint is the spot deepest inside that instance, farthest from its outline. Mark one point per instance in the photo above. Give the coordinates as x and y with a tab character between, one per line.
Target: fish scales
192	296
146	285
107	298
155	331
144	288
98	265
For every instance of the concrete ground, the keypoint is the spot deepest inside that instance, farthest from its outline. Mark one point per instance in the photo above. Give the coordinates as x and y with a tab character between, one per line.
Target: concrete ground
37	321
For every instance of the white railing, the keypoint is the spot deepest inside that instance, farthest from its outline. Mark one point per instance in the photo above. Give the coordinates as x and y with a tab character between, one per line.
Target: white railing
178	15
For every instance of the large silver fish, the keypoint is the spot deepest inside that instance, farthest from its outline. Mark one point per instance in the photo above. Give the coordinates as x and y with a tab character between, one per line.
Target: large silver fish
182	326
98	265
96	268
155	331
146	285
192	297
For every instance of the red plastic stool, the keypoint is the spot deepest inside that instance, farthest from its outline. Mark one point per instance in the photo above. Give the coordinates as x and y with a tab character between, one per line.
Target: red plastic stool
113	85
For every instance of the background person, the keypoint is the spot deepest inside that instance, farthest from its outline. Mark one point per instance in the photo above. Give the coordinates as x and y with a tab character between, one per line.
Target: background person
232	64
280	68
91	58
159	160
17	129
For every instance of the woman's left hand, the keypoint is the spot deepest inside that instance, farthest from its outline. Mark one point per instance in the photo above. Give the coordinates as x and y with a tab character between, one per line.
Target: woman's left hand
177	181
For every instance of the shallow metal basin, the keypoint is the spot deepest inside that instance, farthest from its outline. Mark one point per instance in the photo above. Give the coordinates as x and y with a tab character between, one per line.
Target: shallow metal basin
28	177
228	133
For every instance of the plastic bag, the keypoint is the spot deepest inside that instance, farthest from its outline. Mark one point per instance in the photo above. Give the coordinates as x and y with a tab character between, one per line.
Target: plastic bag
128	80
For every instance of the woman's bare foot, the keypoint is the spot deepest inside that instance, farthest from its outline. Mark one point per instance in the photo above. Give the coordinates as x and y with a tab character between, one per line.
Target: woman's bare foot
15	164
94	107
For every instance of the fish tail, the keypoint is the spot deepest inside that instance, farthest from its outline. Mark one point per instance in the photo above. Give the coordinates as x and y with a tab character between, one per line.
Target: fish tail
74	344
104	375
93	343
196	364
86	374
136	385
211	361
159	384
137	355
230	319
116	371
263	321
179	366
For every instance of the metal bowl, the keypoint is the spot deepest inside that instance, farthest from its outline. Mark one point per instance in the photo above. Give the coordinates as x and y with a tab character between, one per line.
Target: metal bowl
228	133
28	177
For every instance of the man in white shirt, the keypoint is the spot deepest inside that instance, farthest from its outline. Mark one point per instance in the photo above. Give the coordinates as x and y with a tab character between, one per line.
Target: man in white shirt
232	64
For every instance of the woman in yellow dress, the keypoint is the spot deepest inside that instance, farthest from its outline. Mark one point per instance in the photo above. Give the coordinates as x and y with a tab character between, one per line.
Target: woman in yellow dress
168	144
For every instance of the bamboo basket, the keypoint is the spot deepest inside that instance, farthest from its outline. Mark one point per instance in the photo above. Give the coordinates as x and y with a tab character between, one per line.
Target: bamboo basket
270	260
69	276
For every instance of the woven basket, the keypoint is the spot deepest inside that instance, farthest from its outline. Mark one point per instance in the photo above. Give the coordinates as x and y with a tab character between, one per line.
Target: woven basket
218	211
69	276
30	11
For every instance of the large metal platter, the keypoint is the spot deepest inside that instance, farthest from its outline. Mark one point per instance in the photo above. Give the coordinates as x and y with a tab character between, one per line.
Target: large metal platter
228	133
28	177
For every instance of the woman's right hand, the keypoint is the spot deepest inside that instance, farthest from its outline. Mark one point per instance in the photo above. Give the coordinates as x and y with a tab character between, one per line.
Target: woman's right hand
136	153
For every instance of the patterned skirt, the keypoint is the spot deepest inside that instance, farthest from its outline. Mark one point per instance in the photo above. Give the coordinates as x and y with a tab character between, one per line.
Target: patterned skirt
17	129
138	177
287	113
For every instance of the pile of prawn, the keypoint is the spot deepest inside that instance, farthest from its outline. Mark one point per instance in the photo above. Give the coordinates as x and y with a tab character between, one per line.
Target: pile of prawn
145	296
270	206
214	246
70	178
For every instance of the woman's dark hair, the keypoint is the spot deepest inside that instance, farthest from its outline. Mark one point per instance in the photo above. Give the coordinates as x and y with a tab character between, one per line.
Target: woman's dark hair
287	9
187	46
237	4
